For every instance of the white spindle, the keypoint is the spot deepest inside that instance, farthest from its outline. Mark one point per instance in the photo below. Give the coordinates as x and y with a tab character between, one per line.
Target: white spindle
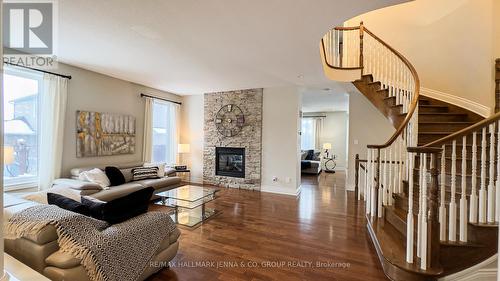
420	201
452	232
482	190
473	195
385	189
409	218
373	203
497	185
390	187
463	198
491	185
423	246
442	205
400	166
368	181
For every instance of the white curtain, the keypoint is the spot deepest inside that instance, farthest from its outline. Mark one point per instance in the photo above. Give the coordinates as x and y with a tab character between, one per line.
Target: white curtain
318	133
52	114
147	143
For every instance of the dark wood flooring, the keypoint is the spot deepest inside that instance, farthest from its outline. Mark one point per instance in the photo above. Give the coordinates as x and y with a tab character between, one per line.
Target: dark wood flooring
319	235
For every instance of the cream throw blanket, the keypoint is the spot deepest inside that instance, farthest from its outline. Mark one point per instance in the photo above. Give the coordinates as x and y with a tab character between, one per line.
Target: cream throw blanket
118	252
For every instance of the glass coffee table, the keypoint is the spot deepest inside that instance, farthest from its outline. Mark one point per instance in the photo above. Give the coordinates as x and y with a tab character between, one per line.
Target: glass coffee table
189	202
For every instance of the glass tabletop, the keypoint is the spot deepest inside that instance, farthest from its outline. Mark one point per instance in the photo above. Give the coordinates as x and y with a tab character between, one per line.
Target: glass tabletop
189	193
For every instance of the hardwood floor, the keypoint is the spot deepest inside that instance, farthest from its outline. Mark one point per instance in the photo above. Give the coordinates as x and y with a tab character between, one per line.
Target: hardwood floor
265	236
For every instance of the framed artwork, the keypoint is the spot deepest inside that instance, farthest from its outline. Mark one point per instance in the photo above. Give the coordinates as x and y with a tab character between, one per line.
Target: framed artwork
104	134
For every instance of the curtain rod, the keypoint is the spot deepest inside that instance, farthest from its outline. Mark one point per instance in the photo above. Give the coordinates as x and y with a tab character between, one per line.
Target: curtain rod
35	69
163	99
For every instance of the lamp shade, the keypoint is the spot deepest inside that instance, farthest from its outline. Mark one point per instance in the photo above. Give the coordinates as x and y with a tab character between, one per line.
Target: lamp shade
327	145
8	155
183	148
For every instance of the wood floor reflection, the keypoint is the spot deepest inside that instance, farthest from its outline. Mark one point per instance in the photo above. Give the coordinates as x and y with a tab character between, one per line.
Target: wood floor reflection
319	235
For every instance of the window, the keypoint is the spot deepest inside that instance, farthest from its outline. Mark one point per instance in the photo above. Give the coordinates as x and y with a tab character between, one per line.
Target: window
308	136
21	122
164	132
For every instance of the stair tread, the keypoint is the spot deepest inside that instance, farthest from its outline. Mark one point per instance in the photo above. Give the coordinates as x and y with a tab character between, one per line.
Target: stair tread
445	122
392	244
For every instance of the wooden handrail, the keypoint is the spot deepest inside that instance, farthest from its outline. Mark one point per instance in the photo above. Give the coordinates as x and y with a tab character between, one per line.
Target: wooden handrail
465	132
337	67
347	28
414	101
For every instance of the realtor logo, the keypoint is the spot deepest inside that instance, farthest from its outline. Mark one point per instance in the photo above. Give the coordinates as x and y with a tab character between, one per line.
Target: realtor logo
28	28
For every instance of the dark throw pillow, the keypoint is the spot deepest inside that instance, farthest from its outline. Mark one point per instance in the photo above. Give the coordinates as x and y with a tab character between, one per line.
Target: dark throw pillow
310	154
67	204
142	173
114	175
120	209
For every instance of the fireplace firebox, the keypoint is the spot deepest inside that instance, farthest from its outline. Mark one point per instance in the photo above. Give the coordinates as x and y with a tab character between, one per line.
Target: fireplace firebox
230	162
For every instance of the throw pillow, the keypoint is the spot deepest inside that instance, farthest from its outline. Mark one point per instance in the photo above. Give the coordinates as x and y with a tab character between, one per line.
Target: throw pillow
142	173
96	176
120	209
161	168
114	175
310	154
303	155
67	203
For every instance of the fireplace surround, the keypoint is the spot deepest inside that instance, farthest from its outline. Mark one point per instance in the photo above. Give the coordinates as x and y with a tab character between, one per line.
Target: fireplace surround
249	139
230	162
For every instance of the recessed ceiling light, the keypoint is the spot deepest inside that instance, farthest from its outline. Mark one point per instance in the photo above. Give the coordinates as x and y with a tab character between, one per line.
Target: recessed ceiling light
326	89
300	76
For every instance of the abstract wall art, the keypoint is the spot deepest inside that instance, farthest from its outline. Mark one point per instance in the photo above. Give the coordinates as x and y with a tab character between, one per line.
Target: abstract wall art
104	134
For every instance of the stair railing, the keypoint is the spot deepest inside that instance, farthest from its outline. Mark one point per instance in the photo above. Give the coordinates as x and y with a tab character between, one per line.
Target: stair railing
387	164
469	174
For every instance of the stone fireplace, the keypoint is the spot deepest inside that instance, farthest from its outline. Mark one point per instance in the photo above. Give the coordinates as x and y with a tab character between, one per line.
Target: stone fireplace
233	161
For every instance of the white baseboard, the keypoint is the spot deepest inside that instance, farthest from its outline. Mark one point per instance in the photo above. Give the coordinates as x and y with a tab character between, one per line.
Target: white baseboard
279	190
475	107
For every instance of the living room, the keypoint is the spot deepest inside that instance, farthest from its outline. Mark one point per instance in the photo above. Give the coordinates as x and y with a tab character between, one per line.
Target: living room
149	140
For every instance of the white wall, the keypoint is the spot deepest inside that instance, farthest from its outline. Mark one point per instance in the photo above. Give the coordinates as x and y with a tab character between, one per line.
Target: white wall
449	42
280	140
366	126
96	92
192	133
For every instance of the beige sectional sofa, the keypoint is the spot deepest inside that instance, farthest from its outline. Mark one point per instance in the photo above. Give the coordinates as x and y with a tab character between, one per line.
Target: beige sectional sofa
168	182
41	252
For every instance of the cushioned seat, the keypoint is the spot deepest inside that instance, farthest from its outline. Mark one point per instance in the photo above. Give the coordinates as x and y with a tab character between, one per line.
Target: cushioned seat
160	183
117	191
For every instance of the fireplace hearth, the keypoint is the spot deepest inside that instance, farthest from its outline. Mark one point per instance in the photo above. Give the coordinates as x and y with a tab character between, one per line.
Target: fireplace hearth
230	162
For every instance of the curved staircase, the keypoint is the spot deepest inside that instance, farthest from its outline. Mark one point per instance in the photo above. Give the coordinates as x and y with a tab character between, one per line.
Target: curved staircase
432	191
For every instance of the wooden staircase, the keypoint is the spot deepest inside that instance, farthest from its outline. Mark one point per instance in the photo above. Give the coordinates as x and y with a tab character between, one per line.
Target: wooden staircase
436	119
408	200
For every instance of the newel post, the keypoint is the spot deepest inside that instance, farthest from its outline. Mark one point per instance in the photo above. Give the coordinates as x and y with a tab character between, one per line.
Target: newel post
432	215
356	175
361	55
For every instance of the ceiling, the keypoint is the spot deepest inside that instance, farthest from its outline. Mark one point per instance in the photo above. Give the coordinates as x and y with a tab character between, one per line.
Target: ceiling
196	46
331	98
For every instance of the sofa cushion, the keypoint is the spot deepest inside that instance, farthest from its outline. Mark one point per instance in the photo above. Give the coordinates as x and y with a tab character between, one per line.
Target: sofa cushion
117	191
310	154
62	260
120	209
96	176
159	183
114	175
67	203
77	184
141	173
127	174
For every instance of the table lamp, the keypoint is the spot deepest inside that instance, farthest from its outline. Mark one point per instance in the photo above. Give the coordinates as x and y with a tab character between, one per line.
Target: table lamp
182	148
326	147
